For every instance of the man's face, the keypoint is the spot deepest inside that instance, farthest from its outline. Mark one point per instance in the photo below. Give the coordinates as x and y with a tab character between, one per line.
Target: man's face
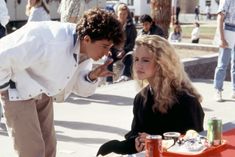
97	49
146	26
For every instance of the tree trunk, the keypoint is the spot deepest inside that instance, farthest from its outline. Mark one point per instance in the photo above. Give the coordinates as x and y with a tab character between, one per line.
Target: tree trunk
161	14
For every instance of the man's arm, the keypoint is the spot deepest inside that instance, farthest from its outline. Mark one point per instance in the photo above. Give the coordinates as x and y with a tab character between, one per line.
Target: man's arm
220	25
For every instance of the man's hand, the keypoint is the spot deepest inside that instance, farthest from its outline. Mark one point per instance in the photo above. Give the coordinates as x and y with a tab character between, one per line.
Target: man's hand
101	71
120	54
223	44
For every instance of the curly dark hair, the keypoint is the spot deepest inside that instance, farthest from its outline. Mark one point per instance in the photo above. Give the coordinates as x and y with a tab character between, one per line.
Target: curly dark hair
98	25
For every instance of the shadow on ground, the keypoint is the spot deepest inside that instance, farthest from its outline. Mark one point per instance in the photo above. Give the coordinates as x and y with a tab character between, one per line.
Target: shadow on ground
87	126
101	99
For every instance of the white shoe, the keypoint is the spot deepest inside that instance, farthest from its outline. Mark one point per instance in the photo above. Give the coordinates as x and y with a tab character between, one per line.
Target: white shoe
218	96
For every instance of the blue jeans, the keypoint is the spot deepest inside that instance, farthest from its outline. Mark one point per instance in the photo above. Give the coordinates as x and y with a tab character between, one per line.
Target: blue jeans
226	55
2	31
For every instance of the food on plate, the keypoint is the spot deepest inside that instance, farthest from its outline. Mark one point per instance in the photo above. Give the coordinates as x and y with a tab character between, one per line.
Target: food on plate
166	144
190	134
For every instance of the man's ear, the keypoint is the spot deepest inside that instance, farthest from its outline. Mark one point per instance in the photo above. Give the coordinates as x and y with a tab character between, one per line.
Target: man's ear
87	38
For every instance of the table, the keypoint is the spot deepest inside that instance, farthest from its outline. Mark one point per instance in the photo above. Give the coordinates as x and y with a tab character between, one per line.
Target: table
225	151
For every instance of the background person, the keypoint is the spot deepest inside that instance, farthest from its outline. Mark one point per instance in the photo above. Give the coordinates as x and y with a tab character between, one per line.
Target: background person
47	61
197	12
176	34
195	34
160	106
4	19
72	10
36	10
149	27
226	27
124	52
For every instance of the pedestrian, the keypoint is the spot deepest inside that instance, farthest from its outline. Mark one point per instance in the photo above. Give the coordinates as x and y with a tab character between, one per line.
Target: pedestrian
4	19
176	34
124	52
226	27
177	13
73	10
197	12
47	61
149	27
195	34
36	10
168	102
208	12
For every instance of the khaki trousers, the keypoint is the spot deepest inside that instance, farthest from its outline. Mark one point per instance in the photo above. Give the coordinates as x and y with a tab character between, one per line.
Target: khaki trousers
30	124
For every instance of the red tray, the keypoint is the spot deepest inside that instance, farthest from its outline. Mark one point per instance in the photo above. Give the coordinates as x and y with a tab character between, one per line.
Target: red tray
207	151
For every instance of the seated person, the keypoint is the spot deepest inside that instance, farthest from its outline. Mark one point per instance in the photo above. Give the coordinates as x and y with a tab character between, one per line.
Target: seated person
176	35
167	102
149	26
124	53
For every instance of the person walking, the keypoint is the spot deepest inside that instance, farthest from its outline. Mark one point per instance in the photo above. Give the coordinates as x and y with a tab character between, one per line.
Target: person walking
45	62
4	19
226	27
197	11
36	10
178	9
160	106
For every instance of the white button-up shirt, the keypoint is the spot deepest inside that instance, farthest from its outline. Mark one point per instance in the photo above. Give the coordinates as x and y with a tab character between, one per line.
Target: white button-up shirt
39	58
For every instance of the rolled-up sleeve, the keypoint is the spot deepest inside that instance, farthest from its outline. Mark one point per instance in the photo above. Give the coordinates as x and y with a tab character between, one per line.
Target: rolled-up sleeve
223	7
82	87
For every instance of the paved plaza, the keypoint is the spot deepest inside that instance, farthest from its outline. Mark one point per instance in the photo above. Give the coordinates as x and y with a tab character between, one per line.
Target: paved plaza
83	124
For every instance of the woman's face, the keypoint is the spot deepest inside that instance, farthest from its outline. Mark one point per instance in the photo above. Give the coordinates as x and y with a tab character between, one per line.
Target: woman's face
122	15
144	65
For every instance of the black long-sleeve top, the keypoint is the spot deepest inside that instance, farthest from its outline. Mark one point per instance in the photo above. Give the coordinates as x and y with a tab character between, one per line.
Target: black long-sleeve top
185	114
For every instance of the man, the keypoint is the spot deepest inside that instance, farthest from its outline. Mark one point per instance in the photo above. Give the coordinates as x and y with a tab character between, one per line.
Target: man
149	28
226	27
49	60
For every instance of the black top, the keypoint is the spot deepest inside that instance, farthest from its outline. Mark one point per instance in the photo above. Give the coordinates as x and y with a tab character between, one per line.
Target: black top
154	30
185	114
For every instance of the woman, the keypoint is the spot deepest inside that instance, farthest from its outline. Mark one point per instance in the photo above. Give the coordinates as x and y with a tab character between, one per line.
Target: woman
176	35
124	17
168	100
37	10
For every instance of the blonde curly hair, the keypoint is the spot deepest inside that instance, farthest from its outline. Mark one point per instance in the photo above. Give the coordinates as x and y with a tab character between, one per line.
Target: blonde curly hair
170	77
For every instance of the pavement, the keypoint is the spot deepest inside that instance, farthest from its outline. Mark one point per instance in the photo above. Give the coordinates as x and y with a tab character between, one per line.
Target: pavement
83	124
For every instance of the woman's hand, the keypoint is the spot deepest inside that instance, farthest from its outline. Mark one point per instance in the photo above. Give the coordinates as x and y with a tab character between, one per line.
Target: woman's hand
101	71
140	141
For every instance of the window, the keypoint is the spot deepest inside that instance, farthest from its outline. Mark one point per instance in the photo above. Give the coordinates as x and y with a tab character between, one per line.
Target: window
130	2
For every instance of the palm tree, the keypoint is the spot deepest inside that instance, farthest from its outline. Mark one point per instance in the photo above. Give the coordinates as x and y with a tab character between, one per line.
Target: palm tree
161	13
